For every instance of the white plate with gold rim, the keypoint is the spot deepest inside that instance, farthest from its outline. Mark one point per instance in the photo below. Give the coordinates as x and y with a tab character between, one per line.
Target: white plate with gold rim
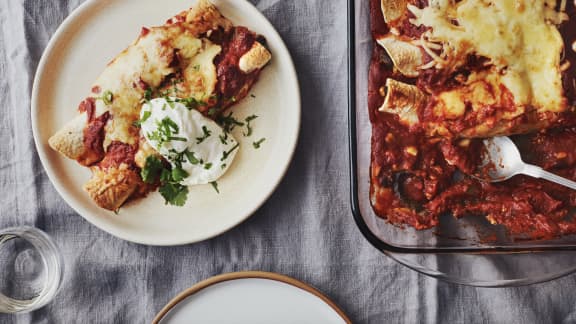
80	49
251	297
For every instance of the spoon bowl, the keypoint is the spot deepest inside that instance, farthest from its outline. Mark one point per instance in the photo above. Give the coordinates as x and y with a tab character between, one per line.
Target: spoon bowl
501	161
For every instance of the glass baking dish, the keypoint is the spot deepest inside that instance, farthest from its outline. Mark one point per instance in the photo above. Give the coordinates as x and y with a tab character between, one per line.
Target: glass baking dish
457	250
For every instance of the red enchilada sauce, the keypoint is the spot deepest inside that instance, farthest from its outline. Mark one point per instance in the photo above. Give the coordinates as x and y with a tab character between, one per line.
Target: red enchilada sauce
93	132
234	84
415	179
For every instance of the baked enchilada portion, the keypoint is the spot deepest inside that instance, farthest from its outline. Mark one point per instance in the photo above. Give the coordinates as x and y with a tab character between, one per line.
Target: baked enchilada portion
197	60
445	74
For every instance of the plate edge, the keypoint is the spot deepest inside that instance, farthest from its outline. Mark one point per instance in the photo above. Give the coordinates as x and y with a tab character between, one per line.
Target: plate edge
247	275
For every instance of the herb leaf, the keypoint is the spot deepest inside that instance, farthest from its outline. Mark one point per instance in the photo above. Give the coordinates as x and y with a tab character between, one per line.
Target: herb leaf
107	97
225	154
178	174
190	102
148	94
251	118
229	122
248	126
152	169
191	158
177	138
224	138
174	193
166	129
165	176
215	186
213	111
258	143
168	123
145	115
207	134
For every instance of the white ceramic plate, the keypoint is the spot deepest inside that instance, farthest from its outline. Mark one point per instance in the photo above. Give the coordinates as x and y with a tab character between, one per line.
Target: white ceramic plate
94	34
251	297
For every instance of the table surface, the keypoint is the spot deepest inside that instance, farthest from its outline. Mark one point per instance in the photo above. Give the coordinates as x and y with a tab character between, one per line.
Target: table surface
305	230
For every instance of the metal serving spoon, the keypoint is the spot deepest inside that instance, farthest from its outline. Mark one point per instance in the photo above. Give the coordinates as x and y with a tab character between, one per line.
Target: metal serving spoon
502	160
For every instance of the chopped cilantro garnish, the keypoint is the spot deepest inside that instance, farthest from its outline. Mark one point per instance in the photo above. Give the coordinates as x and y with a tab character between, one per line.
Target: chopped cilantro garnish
168	123
208	166
145	115
107	97
178	174
223	138
213	111
191	103
223	166
258	143
229	122
167	128
154	136
165	176
174	193
225	154
148	94
206	134
215	186
251	118
175	89
252	95
170	102
191	158
152	169
248	126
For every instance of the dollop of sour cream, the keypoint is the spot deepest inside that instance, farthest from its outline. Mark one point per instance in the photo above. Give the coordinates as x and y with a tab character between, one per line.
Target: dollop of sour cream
187	139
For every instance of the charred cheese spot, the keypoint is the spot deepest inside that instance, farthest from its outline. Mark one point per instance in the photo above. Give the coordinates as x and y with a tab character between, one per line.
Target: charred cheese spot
255	58
403	100
407	57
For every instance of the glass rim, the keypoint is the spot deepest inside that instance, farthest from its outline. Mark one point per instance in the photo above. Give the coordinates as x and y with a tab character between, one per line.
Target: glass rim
52	262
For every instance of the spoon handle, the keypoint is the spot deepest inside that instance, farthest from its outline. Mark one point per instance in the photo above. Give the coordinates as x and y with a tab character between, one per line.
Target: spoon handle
538	172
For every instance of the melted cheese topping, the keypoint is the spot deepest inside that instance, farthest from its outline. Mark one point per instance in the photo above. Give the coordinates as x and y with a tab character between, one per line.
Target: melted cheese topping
200	73
517	36
255	58
150	60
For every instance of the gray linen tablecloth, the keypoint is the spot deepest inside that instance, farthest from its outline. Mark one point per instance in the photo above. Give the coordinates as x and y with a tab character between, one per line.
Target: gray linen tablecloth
305	230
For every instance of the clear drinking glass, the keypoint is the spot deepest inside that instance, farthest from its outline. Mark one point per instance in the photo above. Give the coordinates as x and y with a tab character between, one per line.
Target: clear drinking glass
31	269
